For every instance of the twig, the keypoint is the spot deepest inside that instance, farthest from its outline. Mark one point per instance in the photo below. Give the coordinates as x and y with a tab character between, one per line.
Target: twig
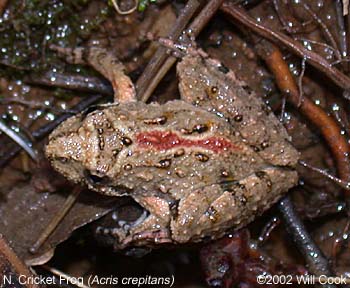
71	81
3	4
56	219
326	124
339	241
341	183
300	81
328	35
342	32
204	17
318	264
23	143
194	29
160	55
347	24
345	7
289	24
32	105
316	43
12	268
62	275
283	108
126	12
267	229
312	58
46	129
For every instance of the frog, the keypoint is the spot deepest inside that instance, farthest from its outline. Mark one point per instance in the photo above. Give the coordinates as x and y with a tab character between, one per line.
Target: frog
201	166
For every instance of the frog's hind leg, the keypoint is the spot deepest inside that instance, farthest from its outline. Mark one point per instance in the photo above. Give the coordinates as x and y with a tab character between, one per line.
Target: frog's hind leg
105	63
235	206
148	229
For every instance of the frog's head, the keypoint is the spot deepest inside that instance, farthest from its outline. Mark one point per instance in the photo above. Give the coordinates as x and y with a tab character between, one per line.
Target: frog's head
83	149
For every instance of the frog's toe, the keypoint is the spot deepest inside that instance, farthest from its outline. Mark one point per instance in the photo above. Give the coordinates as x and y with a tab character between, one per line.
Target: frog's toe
151	227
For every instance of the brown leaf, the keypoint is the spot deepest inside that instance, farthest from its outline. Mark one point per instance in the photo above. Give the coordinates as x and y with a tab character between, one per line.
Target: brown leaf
25	213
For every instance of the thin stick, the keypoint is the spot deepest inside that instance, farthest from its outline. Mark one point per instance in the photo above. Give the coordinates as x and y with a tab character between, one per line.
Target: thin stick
126	12
160	55
23	143
68	204
318	263
76	82
325	45
341	183
194	29
325	30
68	278
33	105
300	81
3	4
312	58
341	24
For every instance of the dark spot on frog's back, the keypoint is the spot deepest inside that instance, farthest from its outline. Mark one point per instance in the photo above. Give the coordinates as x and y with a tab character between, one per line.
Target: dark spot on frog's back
222	68
232	186
164	163
247	89
201	157
179	152
127	167
213	214
264	145
115	152
212	92
255	148
260	174
241	199
126	141
238	118
264	176
266	109
101	142
161	120
199	128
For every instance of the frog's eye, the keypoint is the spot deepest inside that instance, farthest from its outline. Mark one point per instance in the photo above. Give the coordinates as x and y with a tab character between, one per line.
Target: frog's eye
95	179
62	159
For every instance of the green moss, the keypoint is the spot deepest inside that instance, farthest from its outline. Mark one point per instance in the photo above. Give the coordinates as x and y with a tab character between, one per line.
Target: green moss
29	27
144	3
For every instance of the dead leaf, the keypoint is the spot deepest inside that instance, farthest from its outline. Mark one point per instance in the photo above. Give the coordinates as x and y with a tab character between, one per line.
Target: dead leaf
24	214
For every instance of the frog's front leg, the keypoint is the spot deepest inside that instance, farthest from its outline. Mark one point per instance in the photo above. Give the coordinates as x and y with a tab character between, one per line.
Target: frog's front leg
153	228
105	63
236	205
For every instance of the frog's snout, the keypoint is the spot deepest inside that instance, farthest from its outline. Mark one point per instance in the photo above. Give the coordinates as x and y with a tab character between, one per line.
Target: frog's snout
64	147
66	156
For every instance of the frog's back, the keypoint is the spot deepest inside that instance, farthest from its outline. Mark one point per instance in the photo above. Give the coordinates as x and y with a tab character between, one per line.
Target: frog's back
205	83
175	146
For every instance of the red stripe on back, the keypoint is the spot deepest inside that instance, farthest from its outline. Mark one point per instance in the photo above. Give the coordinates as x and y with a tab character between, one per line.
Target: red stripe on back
165	140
